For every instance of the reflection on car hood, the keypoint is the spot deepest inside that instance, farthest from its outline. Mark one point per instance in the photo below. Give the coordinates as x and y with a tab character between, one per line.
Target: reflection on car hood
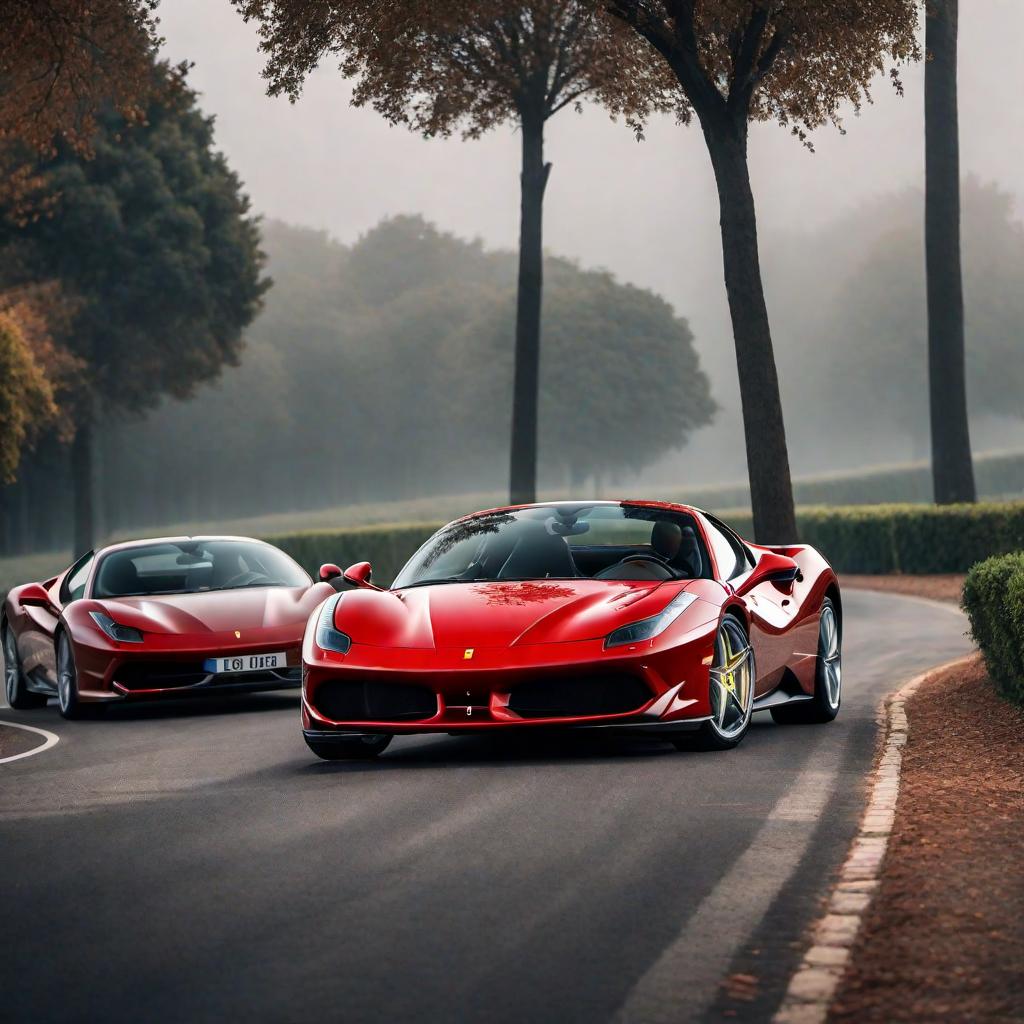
221	611
498	614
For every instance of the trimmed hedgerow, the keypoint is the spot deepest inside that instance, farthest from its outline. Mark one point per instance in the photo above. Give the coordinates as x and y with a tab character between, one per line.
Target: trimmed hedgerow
387	548
994	602
913	539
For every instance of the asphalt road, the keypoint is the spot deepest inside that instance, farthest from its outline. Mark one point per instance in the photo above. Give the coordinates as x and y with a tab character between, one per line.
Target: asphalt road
196	863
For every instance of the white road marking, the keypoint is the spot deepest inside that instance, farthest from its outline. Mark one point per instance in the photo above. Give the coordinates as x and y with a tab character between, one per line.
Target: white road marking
51	740
734	908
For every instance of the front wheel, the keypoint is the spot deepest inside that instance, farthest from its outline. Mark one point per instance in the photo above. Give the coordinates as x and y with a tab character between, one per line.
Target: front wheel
19	696
349	748
71	706
732	679
828	676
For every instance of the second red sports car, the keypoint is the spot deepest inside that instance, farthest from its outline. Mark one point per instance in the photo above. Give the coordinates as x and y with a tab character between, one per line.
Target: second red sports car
644	616
157	618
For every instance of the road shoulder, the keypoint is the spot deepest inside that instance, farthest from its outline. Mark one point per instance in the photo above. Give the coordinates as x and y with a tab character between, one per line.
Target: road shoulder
944	936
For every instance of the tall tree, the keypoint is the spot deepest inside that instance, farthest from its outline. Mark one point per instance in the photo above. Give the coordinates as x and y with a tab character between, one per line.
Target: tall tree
470	65
952	468
734	62
153	238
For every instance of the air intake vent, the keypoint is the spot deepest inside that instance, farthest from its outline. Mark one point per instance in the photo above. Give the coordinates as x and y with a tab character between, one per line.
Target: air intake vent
351	701
579	696
158	675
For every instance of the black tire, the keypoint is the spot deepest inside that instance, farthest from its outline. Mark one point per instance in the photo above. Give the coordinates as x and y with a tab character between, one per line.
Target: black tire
350	748
19	696
824	705
711	735
68	700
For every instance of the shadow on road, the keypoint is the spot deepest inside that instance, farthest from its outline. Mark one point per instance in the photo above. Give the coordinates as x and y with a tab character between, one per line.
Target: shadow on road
521	749
226	704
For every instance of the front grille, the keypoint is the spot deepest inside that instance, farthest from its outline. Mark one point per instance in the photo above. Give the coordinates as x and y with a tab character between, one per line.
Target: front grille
168	675
154	675
354	701
579	696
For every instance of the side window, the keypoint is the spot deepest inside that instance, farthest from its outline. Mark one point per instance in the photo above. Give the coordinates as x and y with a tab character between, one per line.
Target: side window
73	586
730	553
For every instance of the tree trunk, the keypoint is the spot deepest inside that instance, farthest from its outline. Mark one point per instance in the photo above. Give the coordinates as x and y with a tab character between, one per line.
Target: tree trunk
525	391
771	490
952	469
82	484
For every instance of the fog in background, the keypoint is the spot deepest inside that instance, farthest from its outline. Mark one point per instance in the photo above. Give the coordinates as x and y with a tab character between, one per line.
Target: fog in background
646	211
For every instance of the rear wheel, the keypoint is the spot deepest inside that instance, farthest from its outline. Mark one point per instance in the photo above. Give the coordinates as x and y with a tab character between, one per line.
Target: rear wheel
732	678
18	694
350	748
828	676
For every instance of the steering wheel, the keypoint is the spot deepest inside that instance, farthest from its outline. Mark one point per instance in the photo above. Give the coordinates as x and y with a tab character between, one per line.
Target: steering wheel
670	573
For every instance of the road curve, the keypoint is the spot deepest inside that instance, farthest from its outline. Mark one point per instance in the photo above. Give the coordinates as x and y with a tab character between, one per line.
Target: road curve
195	863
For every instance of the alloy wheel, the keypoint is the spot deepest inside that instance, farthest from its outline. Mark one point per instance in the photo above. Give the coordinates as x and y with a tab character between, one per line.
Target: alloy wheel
830	654
11	670
732	680
65	673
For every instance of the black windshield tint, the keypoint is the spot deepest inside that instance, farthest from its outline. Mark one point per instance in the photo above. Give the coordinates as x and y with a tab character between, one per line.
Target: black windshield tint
560	542
189	567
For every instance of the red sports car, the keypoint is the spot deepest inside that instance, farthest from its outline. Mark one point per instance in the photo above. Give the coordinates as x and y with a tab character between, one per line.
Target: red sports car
643	616
156	618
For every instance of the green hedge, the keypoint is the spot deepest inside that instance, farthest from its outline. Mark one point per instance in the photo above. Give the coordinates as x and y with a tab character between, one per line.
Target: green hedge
994	602
915	539
386	548
999	476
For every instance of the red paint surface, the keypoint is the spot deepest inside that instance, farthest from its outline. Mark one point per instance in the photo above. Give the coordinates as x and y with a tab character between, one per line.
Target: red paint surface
520	631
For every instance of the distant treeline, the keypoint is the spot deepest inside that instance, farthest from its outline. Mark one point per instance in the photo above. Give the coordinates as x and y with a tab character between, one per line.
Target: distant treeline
384	370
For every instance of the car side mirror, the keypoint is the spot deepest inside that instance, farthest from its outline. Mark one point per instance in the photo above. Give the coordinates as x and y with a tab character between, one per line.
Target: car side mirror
771	568
35	596
329	571
359	575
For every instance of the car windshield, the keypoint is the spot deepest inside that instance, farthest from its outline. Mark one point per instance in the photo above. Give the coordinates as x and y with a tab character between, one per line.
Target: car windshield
195	566
561	541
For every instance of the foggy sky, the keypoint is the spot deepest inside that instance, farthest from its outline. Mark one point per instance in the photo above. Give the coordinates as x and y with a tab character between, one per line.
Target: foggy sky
647	211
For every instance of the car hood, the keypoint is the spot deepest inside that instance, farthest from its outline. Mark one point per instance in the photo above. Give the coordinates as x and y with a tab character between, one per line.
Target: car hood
499	614
246	609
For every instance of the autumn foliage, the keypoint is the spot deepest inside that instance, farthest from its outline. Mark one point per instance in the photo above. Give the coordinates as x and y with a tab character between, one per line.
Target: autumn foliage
61	61
467	65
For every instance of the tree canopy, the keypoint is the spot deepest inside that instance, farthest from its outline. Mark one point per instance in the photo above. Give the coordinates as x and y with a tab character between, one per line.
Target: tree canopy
26	396
463	66
349	390
878	343
153	238
63	61
795	62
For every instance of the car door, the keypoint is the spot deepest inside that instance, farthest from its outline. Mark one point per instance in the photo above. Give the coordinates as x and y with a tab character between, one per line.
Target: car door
770	607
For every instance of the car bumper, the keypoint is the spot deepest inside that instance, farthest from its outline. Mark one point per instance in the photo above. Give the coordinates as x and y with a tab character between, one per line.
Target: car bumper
577	685
124	674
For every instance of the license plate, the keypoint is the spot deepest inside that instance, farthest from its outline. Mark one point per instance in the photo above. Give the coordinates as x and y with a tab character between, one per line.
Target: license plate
246	663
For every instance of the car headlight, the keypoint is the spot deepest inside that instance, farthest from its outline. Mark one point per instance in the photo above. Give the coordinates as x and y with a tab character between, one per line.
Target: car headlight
648	629
327	637
123	634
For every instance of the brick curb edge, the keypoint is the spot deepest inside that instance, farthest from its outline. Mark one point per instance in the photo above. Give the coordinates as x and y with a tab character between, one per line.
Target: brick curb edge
813	985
